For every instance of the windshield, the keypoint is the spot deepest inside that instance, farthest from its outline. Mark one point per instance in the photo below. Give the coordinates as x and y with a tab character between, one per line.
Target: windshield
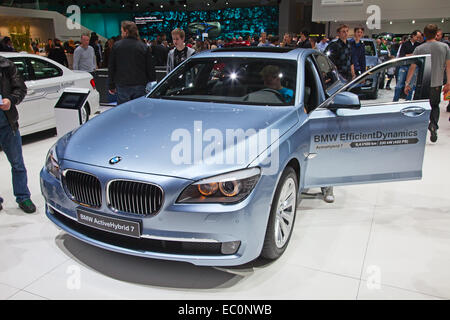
269	82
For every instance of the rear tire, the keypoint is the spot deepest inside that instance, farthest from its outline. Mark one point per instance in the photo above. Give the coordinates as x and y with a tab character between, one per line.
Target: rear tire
282	216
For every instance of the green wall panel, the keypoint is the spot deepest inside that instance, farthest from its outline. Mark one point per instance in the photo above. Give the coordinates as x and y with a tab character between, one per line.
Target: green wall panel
104	24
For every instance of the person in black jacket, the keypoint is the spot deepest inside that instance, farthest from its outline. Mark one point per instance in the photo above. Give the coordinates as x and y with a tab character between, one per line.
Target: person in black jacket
160	53
130	65
6	45
95	44
58	54
304	40
12	91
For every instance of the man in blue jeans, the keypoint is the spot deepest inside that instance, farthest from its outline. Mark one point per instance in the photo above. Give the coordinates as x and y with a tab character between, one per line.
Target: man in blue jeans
12	92
440	65
406	50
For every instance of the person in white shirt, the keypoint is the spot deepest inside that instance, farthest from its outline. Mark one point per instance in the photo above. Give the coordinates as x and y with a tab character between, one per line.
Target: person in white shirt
322	45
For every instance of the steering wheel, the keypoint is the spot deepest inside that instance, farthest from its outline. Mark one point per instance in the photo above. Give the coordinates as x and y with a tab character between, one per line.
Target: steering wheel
278	94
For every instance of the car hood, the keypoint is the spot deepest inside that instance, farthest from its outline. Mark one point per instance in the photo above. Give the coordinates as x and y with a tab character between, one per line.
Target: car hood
164	137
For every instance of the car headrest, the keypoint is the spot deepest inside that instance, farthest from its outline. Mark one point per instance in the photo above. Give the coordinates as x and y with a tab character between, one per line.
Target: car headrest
307	95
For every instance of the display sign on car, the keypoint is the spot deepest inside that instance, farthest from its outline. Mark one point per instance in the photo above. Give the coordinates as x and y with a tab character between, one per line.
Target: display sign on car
119	226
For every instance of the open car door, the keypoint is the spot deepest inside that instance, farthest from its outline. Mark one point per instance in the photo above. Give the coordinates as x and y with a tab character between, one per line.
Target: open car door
358	136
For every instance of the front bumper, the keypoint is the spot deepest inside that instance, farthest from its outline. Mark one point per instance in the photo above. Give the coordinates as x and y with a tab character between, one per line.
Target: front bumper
190	233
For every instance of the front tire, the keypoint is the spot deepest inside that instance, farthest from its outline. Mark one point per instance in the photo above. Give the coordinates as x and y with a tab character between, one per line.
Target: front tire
282	216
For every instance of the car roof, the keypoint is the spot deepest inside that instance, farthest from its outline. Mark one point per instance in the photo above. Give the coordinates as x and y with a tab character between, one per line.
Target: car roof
16	54
255	52
30	55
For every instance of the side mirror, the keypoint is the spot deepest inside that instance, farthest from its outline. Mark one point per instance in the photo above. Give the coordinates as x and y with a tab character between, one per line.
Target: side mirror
150	86
345	100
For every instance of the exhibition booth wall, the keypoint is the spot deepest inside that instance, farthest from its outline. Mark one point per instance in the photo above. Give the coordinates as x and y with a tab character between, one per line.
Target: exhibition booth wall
24	25
396	16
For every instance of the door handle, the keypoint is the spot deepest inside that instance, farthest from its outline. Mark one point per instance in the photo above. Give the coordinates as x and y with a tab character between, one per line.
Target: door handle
413	111
30	92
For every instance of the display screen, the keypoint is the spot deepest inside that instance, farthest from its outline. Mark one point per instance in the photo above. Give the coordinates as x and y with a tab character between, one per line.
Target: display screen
233	22
71	100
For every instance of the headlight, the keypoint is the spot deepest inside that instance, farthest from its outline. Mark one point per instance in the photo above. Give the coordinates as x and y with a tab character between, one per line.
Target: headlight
231	187
51	163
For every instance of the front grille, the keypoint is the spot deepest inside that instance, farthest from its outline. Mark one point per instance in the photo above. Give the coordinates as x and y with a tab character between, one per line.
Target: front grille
84	188
135	197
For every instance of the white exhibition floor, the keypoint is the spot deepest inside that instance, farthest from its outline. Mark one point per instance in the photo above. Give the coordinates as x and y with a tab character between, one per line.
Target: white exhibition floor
379	241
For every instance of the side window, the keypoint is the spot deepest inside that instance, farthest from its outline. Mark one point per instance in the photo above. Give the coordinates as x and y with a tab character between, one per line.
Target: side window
387	84
328	73
311	90
22	68
44	70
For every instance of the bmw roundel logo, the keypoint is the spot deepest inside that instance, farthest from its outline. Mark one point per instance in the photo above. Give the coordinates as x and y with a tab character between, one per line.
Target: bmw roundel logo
115	160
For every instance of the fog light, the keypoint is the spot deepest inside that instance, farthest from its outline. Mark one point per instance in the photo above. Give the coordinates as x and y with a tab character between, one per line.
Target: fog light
230	247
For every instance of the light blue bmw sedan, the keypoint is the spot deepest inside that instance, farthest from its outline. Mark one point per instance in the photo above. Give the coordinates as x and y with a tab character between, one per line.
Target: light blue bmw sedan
208	168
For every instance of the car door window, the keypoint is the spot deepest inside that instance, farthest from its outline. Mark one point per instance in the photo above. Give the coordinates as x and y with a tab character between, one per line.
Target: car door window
386	84
311	96
327	70
22	68
370	48
44	70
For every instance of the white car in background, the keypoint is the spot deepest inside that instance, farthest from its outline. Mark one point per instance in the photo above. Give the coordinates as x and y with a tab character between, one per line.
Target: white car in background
46	80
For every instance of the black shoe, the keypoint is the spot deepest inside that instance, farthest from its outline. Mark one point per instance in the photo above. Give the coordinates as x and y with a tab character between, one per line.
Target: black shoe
27	206
1	207
448	107
433	137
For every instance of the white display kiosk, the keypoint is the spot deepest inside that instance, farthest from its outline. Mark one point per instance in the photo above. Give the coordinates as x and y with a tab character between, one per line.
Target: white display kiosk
68	109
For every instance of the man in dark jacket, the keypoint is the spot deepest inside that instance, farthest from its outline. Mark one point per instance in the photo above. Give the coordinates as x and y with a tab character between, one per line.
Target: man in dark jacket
304	40
340	52
12	91
6	45
130	65
358	60
160	53
58	54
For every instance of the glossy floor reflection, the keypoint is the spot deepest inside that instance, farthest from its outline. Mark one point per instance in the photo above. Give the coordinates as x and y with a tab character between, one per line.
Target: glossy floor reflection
379	241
